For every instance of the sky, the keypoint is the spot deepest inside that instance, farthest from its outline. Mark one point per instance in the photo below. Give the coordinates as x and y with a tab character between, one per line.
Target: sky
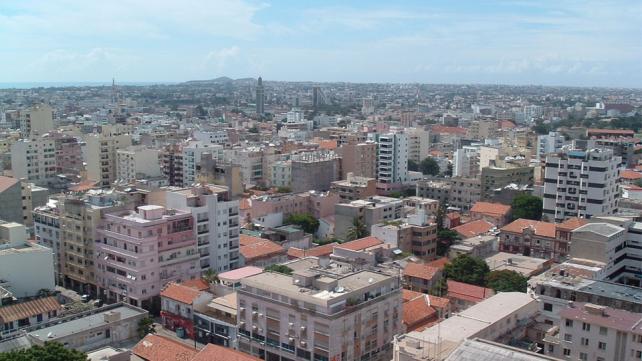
543	42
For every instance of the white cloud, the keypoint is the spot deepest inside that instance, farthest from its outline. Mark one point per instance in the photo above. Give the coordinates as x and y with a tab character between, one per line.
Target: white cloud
220	58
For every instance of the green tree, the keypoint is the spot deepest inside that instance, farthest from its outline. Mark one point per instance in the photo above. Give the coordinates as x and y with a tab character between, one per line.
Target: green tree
145	327
279	268
51	351
284	190
357	230
254	129
306	221
506	281
210	276
467	269
429	166
395	194
412	165
449	170
439	217
445	239
527	206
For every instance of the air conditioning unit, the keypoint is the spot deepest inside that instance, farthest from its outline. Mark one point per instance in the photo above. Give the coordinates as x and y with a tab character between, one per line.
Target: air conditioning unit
254	327
291	339
302	328
242	309
260	315
254	313
303	343
242	323
290	324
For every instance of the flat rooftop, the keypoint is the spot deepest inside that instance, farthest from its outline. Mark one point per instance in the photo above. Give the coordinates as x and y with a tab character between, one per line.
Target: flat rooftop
82	324
615	291
522	264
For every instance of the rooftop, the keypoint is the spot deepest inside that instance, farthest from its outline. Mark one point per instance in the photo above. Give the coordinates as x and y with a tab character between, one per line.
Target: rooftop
27	309
524	265
159	348
603	229
542	229
495	209
239	273
420	270
474	228
468	292
620	320
180	293
483	350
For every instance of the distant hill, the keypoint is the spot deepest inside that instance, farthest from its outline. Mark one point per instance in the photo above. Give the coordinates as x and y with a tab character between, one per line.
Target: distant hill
221	80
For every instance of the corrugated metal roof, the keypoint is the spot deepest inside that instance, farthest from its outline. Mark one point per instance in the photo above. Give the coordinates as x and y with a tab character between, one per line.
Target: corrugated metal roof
28	309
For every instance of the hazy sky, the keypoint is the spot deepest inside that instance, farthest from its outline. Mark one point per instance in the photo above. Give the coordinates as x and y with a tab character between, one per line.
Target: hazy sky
554	42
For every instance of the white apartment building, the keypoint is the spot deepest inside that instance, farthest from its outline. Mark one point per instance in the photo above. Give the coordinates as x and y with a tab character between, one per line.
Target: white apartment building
216	225
418	144
101	152
36	121
580	183
25	268
370	211
34	160
252	161
137	162
392	158
46	226
466	162
596	333
211	136
192	153
320	312
281	175
549	143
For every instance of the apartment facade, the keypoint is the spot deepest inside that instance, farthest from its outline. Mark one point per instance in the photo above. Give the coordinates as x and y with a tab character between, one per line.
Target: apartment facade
37	120
137	162
549	143
216	226
34	160
370	211
354	187
580	183
360	159
102	156
319	314
392	158
593	332
498	177
140	252
314	170
46	226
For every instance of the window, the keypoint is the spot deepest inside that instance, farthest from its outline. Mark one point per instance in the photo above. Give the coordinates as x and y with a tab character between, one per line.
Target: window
567	352
583	356
586	326
568	337
584	341
603	331
548	307
569	323
601	345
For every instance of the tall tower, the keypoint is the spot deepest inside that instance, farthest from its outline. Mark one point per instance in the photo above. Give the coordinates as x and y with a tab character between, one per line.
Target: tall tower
260	97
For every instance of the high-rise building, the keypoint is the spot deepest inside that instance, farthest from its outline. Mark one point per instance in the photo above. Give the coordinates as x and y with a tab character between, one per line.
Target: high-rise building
139	252
549	143
216	224
320	312
314	170
137	162
260	98
360	159
36	121
581	183
34	160
102	158
466	162
392	158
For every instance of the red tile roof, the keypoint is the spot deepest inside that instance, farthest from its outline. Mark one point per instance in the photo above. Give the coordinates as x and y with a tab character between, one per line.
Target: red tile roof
542	229
244	203
420	270
630	174
159	348
494	209
572	223
319	251
255	247
197	283
407	295
417	313
439	263
506	124
27	309
213	352
610	131
473	228
6	183
361	243
180	293
438	129
466	292
453	215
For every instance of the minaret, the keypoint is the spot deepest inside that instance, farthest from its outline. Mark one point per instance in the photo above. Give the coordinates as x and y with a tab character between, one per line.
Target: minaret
260	98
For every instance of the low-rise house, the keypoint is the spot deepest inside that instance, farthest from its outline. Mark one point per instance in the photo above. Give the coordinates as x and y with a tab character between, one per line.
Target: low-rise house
318	251
160	348
479	246
25	314
532	238
232	279
495	213
462	295
178	303
420	277
261	252
474	228
526	266
215	322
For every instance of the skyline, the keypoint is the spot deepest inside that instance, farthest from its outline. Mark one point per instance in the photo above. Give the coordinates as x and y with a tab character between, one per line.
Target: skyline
564	43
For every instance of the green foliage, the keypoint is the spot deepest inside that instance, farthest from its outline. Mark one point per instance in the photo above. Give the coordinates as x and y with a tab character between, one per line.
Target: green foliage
254	130
51	351
527	206
395	194
440	288
449	170
467	269
429	166
638	182
413	166
410	192
284	190
506	281
357	230
145	327
321	242
210	276
307	222
439	217
541	128
279	268
445	239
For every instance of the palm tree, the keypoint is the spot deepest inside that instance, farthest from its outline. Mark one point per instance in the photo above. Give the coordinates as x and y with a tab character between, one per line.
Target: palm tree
357	230
210	276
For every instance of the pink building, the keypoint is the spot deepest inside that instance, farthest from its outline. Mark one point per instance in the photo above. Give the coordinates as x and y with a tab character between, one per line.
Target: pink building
140	252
